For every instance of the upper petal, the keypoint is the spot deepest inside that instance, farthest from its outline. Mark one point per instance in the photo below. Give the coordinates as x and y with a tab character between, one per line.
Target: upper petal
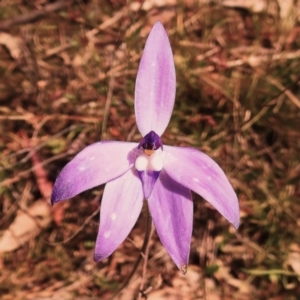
200	173
155	83
94	165
120	207
171	208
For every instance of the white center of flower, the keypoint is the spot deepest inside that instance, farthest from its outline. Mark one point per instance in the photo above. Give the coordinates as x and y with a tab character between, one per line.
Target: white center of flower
153	162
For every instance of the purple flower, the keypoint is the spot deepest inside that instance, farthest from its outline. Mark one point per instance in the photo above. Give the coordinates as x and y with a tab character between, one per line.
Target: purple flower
163	175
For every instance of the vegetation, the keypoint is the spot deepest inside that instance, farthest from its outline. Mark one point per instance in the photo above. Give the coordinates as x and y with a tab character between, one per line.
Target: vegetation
67	80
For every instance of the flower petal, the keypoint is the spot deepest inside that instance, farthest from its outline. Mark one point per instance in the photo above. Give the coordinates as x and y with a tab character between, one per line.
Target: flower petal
121	205
155	83
198	172
149	167
148	179
171	208
94	165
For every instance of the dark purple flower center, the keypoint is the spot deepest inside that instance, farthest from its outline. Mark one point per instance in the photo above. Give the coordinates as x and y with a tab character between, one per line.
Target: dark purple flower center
151	141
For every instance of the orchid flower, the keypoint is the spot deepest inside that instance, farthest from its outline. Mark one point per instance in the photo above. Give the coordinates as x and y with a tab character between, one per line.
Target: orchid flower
162	175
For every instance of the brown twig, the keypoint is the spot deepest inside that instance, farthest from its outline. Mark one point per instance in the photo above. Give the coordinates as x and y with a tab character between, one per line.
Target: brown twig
150	229
44	185
86	222
33	15
107	105
25	173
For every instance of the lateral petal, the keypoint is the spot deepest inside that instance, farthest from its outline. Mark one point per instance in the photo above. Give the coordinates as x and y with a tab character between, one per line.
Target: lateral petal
200	173
155	83
121	205
171	208
94	165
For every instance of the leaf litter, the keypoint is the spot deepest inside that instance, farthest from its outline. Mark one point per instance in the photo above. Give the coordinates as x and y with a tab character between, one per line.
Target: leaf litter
243	77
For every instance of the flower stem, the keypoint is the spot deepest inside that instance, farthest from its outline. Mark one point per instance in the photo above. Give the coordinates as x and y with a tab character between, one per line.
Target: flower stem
145	250
143	254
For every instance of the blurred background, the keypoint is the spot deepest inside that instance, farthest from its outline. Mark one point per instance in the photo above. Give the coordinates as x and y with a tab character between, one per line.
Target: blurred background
68	72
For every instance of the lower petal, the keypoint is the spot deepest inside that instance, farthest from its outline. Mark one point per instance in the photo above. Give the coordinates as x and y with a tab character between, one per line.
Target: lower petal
198	172
171	208
148	179
121	205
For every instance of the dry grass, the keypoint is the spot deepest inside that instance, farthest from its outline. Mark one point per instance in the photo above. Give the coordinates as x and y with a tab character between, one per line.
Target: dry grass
67	80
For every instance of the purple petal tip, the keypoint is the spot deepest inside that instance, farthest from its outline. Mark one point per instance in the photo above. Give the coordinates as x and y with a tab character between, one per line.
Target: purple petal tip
54	197
183	269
